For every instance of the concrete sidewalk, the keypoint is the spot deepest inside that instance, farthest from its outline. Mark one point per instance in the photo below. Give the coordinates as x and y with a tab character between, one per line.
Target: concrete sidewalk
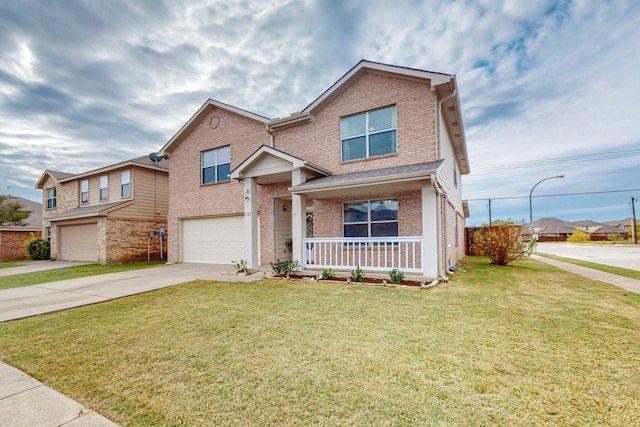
35	266
25	401
632	285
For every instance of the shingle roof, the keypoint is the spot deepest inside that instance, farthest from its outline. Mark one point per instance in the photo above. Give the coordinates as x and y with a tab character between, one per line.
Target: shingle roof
33	221
86	211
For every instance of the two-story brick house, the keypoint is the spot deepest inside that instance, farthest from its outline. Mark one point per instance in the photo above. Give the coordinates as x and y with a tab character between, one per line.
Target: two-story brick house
105	215
366	175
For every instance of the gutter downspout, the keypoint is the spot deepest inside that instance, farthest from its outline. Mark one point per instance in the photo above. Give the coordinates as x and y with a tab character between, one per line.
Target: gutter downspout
438	190
272	141
439	115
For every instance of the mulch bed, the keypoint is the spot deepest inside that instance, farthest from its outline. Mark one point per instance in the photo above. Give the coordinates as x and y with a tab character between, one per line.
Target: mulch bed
370	280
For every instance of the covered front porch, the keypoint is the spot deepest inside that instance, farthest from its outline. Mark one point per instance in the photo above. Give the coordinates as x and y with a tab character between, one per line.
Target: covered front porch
377	220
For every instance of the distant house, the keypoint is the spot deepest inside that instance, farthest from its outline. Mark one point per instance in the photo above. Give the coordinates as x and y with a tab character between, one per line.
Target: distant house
106	215
623	224
12	237
554	229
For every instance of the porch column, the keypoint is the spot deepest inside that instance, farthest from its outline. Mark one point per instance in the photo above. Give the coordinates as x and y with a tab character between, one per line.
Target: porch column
298	217
251	222
429	231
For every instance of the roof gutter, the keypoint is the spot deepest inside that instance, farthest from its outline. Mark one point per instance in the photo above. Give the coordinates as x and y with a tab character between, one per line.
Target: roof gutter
308	188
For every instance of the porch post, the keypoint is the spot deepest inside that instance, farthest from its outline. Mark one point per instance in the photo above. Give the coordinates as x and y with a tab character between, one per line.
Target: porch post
251	223
298	225
429	231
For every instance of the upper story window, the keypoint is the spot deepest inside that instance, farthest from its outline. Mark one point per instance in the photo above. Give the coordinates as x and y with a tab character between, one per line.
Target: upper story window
216	165
368	134
125	183
104	187
51	198
84	191
370	218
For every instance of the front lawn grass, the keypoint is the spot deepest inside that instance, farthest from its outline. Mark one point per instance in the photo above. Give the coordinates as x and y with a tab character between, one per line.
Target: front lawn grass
527	344
36	278
9	264
625	272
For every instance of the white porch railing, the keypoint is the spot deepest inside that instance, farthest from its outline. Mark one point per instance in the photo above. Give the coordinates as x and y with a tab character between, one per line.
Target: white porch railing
375	254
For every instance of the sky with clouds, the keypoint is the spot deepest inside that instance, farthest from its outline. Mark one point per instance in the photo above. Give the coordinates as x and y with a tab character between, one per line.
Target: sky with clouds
547	87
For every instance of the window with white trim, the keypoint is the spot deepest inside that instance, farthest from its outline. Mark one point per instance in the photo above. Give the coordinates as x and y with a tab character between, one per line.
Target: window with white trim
104	187
52	201
370	218
125	183
84	191
368	134
216	165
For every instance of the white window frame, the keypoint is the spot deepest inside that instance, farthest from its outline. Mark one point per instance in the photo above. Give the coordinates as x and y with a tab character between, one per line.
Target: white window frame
125	183
52	198
84	191
104	188
369	222
216	164
368	133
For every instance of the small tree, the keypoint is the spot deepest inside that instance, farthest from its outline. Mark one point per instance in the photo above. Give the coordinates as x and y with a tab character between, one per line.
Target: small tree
11	212
578	237
502	243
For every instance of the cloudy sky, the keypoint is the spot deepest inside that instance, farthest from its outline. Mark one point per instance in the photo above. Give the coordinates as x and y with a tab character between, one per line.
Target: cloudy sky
547	87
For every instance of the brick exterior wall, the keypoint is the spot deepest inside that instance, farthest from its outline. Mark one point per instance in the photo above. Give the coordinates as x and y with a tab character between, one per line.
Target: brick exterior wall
190	199
12	244
319	141
127	240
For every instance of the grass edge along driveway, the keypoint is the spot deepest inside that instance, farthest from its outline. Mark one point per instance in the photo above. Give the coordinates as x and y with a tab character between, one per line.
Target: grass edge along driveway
526	344
39	277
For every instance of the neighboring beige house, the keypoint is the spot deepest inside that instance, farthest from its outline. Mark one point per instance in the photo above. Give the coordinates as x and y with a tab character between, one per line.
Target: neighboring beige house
366	175
106	215
12	237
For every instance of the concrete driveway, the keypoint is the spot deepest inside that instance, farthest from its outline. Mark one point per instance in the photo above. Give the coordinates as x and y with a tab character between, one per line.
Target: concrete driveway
17	303
624	256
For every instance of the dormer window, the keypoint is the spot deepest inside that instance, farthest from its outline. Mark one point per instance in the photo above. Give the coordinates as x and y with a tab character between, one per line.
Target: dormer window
368	134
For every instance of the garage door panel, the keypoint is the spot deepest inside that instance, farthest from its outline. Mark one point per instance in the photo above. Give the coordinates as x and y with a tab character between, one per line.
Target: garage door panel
213	240
78	242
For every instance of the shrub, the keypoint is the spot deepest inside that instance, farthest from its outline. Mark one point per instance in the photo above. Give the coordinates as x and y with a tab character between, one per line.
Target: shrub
36	247
358	274
284	268
502	243
578	237
396	275
240	266
328	273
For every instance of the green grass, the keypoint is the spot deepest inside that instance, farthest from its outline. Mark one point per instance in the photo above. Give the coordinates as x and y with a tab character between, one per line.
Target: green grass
527	344
28	279
625	272
9	264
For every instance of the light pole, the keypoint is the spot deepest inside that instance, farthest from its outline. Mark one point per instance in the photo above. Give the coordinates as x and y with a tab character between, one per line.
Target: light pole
531	205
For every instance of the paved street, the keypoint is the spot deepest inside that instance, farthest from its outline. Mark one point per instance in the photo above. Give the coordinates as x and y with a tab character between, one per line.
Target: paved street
624	256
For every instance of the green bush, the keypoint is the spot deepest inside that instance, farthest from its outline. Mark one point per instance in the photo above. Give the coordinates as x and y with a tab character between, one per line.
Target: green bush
36	248
358	274
240	266
328	273
284	268
578	237
502	243
396	275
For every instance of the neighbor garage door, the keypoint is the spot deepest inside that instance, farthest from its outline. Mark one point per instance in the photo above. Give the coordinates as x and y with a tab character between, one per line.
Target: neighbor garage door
78	242
218	240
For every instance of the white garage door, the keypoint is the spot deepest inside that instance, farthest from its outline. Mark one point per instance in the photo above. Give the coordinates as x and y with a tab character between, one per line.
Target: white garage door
78	242
217	240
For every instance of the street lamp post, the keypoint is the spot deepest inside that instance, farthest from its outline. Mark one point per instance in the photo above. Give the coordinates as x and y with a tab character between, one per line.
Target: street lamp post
531	205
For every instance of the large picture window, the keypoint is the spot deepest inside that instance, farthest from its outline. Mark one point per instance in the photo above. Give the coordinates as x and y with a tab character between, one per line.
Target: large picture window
368	134
370	218
216	165
51	198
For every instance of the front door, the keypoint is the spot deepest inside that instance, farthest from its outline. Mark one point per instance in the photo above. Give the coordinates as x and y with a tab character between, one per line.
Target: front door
283	229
